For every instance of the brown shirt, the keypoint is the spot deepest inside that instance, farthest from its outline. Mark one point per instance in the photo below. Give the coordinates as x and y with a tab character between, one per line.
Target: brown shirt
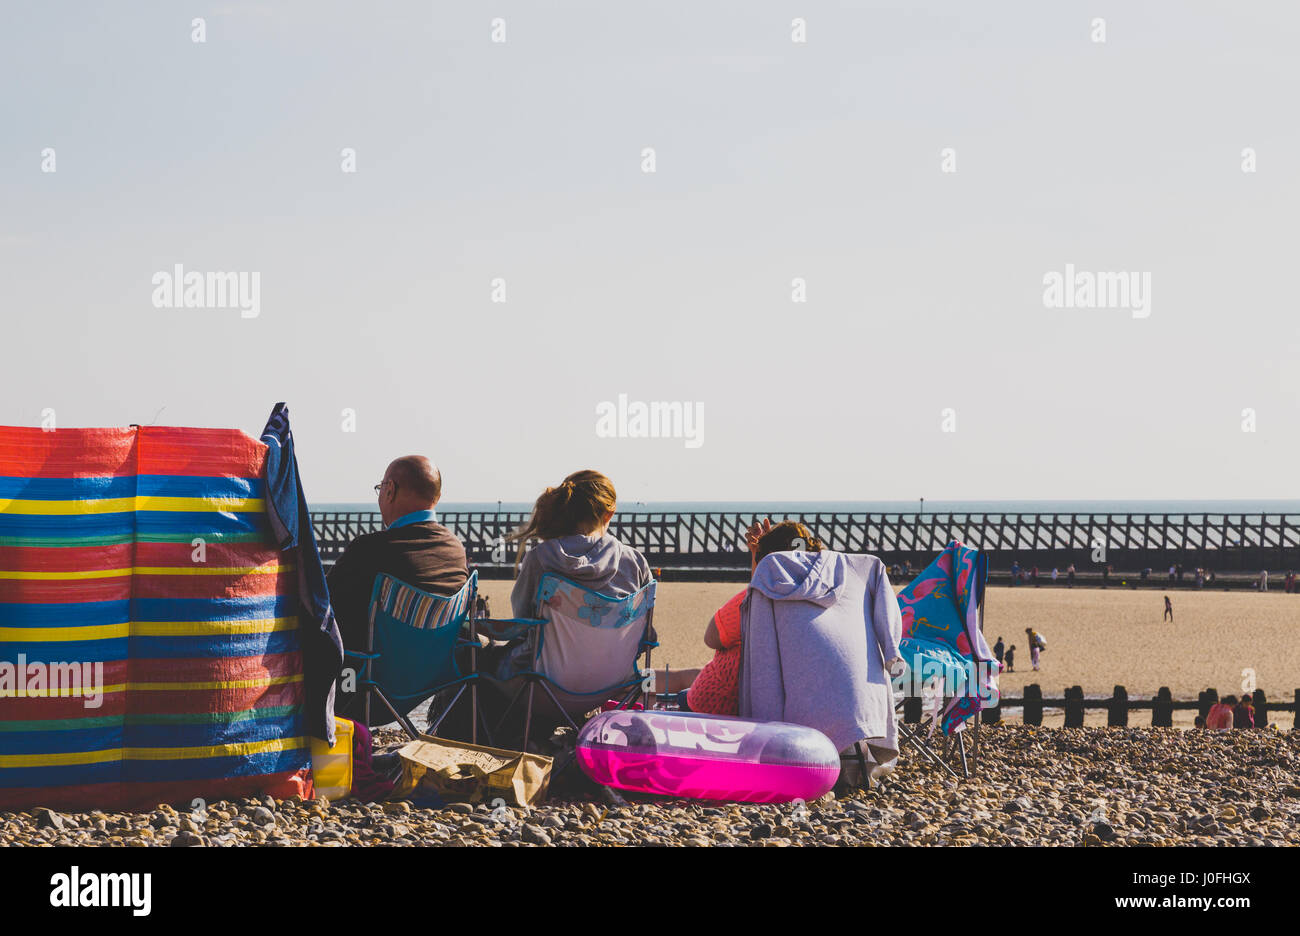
426	555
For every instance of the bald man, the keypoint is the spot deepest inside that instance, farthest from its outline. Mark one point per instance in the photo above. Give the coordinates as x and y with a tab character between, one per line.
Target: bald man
413	547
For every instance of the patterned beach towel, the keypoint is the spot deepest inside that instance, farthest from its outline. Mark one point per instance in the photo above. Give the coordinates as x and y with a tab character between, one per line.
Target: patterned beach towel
941	632
149	646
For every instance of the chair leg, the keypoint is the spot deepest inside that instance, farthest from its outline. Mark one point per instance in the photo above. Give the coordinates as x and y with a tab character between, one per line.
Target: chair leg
405	722
433	728
862	765
961	749
528	714
511	707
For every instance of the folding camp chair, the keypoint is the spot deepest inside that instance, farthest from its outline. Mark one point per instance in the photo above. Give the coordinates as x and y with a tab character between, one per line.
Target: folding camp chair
411	648
586	648
943	644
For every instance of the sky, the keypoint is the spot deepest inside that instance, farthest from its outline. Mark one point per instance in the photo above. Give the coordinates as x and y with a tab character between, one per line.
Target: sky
923	361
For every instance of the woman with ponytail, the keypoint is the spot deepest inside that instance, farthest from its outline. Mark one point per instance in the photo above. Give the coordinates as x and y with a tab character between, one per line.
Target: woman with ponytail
572	522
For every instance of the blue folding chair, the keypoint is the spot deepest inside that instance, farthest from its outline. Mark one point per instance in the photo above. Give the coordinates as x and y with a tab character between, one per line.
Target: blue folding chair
586	648
411	648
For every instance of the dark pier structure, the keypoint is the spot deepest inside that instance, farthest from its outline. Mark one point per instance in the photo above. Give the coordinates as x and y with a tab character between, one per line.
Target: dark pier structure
701	545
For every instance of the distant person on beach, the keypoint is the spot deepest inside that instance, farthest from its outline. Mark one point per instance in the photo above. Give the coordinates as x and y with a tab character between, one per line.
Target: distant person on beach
1243	713
1036	644
1199	723
1069	575
1220	716
998	649
1263	580
1011	658
1015	574
1169	610
413	547
1055	574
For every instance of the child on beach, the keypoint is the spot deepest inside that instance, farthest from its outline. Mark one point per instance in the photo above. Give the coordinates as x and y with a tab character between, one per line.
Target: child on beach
1011	658
1220	716
1169	609
1243	714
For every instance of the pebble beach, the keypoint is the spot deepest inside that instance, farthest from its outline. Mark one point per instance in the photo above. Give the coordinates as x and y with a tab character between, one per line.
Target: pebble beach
1102	787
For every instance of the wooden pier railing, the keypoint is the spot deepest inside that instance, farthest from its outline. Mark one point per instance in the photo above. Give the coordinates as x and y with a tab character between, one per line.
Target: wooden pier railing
1223	542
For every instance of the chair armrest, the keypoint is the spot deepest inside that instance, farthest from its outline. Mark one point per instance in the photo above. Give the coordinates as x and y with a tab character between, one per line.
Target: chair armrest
506	628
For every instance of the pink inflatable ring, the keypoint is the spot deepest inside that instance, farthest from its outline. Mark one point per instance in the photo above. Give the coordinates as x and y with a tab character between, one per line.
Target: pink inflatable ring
709	757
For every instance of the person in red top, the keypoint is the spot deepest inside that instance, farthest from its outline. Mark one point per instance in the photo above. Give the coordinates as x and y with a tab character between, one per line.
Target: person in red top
715	690
1220	716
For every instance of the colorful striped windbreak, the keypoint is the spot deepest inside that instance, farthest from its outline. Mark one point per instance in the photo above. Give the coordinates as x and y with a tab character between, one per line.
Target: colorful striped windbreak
148	637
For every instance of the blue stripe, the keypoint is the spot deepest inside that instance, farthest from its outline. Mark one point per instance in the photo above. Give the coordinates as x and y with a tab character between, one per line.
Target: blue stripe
66	488
88	613
53	526
214	609
199	523
80	614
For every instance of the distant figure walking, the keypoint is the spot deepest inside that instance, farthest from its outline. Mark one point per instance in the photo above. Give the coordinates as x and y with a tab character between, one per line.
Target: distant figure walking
1036	644
1263	580
1011	658
999	649
1069	575
1169	610
1055	574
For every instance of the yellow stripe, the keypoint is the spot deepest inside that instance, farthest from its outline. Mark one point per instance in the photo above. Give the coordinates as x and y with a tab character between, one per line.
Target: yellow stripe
154	687
147	629
131	504
71	758
196	569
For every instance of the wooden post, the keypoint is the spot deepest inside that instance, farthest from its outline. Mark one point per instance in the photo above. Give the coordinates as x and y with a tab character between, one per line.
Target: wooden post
1074	707
1033	714
1162	709
992	716
1261	709
1207	700
912	709
1297	709
1117	717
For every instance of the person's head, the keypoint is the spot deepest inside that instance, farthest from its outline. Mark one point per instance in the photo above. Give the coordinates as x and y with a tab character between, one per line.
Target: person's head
411	483
1013	646
1029	630
1200	722
999	638
787	536
1230	700
584	502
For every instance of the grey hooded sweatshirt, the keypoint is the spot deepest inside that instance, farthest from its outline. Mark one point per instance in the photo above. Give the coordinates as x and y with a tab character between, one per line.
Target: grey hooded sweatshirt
600	563
817	629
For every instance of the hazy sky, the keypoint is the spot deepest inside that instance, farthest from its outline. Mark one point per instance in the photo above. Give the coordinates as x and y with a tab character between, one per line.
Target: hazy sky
522	160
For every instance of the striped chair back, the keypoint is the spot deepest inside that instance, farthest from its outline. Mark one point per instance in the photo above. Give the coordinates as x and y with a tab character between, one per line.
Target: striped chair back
415	637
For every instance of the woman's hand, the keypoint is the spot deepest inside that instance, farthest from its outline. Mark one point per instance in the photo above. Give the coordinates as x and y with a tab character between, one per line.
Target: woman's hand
756	532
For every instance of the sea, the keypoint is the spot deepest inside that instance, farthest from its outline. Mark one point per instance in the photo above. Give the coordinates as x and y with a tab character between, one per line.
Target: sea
1250	507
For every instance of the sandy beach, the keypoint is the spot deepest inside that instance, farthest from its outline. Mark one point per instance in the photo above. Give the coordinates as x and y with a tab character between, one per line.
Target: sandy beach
1097	638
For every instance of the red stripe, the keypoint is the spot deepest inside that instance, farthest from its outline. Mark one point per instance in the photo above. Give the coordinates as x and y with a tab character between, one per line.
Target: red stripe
174	450
131	796
67	591
64	559
181	555
30	452
256	585
156	703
